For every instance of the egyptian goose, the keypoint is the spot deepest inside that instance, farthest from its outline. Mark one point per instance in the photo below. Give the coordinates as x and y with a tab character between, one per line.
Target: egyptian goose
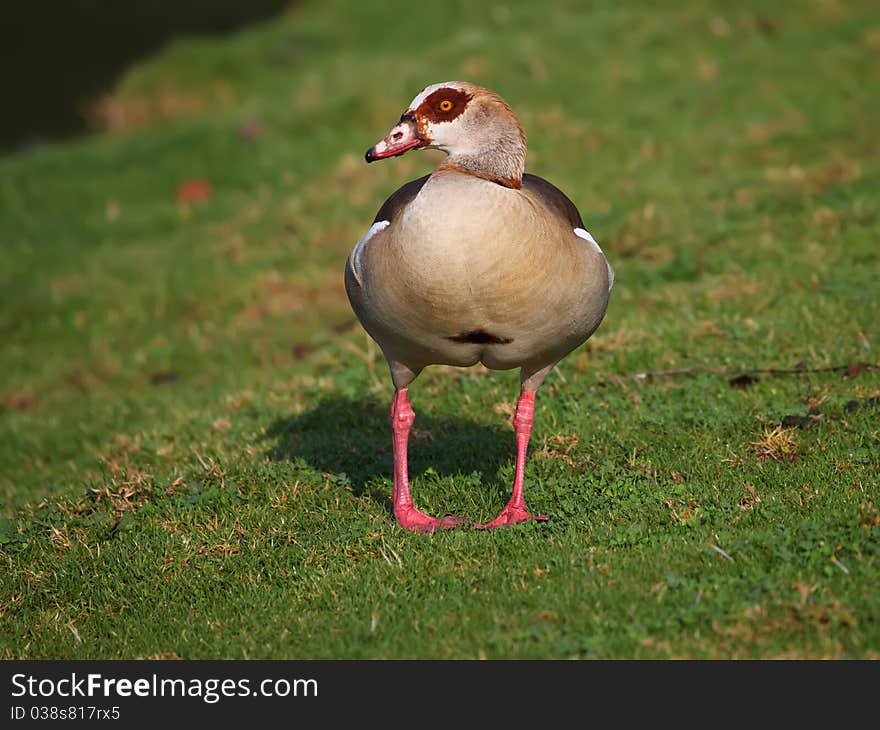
476	262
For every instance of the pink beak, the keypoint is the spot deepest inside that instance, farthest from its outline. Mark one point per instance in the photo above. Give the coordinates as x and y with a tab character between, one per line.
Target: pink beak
403	136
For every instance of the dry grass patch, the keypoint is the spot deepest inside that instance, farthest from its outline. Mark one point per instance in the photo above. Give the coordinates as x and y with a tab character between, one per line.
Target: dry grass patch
776	444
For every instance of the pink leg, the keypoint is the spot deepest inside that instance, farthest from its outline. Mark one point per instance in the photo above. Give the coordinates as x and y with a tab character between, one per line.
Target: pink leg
408	517
515	510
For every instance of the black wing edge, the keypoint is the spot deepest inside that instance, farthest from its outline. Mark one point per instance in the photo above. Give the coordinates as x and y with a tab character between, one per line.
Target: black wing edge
553	198
399	199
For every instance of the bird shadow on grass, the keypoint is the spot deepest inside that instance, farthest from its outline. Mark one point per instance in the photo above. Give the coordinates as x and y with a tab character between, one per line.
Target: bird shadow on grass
345	436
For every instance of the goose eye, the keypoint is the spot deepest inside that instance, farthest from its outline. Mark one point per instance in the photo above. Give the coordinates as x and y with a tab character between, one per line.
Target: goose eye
445	105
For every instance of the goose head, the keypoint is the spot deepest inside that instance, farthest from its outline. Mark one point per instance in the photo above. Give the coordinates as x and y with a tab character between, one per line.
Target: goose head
474	126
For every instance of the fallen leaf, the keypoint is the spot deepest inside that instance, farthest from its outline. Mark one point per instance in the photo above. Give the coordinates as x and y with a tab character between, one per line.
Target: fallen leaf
855	369
193	191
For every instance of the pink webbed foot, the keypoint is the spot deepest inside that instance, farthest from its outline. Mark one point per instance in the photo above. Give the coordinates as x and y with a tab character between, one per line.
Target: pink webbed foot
409	518
515	511
511	515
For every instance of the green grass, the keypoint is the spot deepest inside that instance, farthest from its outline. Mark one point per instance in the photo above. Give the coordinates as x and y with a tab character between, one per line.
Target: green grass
194	447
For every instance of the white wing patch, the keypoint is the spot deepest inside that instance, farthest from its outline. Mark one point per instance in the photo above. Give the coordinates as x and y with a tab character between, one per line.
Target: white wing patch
581	233
361	245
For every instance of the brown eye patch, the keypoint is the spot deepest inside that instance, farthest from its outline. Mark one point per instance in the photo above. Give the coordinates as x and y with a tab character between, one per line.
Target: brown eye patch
444	105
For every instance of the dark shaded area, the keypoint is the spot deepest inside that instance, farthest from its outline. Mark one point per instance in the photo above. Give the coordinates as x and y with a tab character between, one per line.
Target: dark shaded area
164	377
743	381
795	421
815	417
56	56
480	337
353	437
853	405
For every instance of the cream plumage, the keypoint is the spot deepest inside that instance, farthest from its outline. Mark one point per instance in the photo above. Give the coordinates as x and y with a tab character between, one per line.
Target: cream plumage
477	262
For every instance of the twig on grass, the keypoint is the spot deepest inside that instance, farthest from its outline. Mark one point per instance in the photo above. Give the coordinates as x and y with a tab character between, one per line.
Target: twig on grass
851	369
